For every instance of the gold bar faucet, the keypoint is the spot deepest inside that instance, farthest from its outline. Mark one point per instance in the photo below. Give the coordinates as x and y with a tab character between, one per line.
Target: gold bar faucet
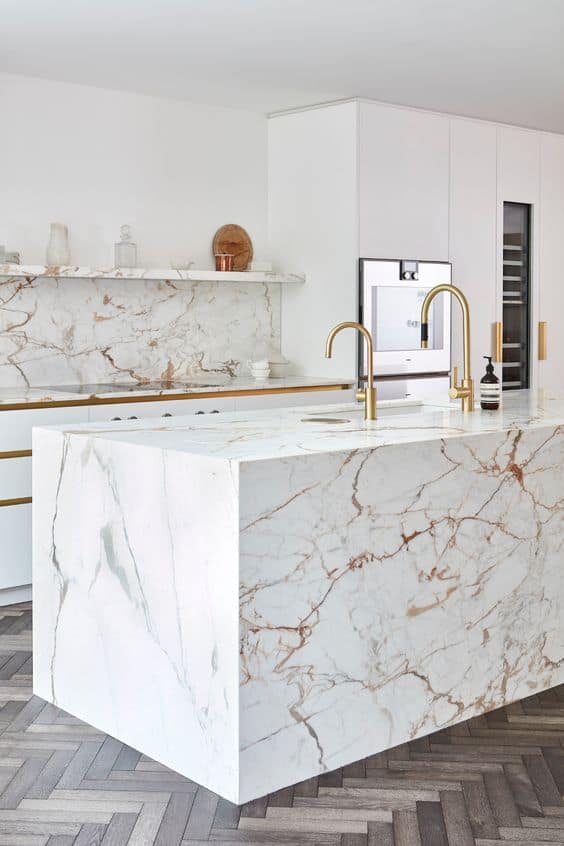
368	394
465	391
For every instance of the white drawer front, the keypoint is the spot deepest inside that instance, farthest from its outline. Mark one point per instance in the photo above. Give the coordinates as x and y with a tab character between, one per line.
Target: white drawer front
15	531
15	478
293	399
16	426
172	408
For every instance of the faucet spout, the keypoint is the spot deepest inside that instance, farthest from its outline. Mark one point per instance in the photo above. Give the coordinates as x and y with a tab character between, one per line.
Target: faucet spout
464	391
369	393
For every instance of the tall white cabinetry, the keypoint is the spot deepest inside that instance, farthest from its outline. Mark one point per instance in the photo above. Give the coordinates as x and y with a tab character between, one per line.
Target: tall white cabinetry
345	181
472	233
403	183
551	248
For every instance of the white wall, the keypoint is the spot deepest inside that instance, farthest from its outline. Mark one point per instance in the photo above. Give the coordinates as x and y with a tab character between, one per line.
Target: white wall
95	159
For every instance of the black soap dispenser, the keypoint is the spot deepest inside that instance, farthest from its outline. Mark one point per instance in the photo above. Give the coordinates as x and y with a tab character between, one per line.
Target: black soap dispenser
490	389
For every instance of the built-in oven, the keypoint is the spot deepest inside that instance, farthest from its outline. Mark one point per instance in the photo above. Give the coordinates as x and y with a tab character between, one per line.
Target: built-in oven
391	295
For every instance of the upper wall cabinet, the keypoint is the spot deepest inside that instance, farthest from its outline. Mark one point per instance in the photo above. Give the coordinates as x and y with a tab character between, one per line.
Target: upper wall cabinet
403	182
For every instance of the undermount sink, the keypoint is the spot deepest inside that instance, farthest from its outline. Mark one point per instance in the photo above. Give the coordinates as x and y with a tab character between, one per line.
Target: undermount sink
385	408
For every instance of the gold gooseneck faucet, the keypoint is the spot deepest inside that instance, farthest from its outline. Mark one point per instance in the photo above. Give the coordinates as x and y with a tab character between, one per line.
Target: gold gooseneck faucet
367	394
465	391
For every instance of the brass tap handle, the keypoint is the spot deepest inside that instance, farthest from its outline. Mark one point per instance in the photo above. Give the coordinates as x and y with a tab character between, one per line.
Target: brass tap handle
454	377
360	395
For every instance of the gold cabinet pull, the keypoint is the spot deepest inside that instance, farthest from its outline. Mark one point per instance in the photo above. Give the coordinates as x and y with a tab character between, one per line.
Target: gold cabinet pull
542	340
498	341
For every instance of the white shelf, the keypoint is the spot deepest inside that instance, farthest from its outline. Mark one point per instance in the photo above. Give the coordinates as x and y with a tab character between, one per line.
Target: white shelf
34	271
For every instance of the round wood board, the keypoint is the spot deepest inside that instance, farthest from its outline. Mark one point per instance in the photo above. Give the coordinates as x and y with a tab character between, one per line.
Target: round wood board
233	239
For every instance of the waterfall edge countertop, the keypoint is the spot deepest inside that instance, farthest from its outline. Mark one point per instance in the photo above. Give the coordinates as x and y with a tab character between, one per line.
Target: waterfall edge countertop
258	599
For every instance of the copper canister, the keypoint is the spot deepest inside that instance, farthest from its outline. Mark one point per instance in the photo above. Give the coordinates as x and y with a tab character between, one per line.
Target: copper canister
224	261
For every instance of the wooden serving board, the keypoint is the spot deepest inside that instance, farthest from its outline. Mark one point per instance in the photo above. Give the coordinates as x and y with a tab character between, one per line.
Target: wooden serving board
233	239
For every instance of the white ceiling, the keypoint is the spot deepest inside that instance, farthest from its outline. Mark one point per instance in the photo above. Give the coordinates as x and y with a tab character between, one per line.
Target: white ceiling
496	59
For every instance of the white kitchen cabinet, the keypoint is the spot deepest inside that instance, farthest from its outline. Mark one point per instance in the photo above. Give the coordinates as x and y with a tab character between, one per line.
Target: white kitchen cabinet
15	562
291	400
403	183
174	408
473	224
518	181
15	484
551	304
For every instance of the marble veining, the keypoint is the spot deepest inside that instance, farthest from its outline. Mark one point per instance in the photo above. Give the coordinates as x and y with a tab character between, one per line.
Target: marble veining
301	597
61	331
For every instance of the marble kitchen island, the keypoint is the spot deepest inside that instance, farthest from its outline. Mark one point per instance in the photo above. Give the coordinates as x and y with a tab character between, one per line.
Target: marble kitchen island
258	598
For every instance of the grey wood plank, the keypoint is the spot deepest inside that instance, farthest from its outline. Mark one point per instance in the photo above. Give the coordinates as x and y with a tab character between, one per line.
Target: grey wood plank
175	818
156	786
501	800
256	808
50	775
119	830
332	779
479	811
354	840
201	816
542	781
227	814
90	834
105	759
27	715
406	828
380	834
21	783
278	837
431	824
283	798
61	840
522	790
147	825
309	787
13	665
555	762
127	759
458	829
79	765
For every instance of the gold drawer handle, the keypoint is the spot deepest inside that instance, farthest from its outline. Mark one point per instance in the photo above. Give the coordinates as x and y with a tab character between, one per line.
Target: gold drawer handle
498	341
542	341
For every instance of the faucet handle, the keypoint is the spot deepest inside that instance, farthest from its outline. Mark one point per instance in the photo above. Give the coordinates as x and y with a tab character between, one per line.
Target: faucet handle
360	395
454	377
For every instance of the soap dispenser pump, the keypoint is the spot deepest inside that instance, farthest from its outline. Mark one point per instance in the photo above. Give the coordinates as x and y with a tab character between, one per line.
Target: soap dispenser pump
490	389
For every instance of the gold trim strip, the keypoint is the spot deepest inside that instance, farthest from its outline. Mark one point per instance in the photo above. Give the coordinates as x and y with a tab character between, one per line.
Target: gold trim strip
16	453
21	500
542	341
337	386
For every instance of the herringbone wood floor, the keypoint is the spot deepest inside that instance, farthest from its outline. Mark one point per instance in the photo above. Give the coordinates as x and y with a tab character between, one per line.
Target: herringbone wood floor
497	779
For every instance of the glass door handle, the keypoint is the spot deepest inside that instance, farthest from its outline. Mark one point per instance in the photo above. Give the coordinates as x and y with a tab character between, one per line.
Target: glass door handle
542	340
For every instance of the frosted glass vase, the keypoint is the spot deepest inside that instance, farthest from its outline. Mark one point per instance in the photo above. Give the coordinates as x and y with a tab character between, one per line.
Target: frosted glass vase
58	247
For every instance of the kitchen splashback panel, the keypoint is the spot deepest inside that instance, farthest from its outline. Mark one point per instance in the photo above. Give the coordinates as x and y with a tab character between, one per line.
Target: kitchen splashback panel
60	331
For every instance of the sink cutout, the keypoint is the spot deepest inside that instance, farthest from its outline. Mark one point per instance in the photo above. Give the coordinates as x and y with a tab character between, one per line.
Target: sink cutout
324	420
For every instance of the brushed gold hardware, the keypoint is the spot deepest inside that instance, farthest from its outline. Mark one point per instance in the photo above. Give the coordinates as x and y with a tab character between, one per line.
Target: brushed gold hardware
464	391
31	406
368	394
454	377
16	453
542	341
21	500
498	341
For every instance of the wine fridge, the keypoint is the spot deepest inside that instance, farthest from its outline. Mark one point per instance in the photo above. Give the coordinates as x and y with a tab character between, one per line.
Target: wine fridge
516	295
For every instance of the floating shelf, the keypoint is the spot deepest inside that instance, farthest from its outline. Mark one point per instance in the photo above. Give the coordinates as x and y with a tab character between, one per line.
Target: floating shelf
33	271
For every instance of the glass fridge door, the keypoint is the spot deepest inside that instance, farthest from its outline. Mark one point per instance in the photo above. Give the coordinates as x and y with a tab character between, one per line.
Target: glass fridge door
516	295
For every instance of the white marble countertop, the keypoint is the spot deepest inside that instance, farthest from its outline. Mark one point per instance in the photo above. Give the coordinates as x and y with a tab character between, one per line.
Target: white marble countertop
284	432
198	385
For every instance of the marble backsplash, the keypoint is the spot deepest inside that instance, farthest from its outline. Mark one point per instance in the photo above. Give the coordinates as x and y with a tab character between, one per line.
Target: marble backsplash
65	331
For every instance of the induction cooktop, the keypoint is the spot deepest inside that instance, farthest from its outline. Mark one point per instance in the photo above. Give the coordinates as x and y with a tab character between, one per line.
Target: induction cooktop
129	387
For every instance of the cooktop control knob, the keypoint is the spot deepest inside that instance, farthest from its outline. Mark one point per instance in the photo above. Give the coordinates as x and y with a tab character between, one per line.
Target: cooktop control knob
407	274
